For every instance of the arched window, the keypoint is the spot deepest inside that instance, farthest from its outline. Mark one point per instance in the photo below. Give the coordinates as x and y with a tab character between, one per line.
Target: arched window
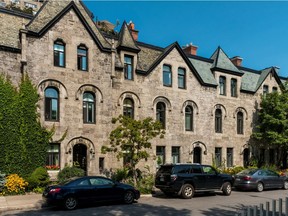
51	104
240	123
59	53
82	58
218	121
88	108
160	113
188	118
128	108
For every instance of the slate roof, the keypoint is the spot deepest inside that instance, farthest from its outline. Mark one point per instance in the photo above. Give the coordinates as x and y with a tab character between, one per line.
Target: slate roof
126	40
11	23
51	11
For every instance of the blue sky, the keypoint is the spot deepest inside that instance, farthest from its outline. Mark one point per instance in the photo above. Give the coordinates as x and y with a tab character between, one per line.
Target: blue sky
256	31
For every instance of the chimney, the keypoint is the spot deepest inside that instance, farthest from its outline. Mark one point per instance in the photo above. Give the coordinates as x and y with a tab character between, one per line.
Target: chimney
134	32
237	60
190	49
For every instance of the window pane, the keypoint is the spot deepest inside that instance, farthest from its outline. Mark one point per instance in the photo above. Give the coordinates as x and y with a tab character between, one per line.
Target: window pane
167	79
188	118
181	78
88	108
128	67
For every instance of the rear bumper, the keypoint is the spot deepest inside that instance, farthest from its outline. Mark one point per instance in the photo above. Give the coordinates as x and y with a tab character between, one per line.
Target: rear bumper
245	186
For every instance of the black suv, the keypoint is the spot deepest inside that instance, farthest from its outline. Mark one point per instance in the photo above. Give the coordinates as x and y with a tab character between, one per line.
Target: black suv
186	179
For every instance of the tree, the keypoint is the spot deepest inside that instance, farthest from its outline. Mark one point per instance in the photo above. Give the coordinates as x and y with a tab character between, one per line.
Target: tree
272	125
131	139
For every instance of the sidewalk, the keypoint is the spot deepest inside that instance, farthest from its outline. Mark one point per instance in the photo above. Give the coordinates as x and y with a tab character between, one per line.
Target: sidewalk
17	202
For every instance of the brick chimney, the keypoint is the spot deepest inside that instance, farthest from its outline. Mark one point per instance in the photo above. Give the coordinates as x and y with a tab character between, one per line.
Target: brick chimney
237	60
134	32
190	49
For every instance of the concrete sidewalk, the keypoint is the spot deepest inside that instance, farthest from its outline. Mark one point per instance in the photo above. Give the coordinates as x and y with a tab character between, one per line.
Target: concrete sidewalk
19	202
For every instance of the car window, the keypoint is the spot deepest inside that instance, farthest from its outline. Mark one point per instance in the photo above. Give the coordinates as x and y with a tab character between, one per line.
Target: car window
165	169
208	170
101	181
196	169
182	169
84	182
248	172
271	173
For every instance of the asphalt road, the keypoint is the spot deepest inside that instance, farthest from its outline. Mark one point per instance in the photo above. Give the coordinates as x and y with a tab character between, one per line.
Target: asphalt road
200	205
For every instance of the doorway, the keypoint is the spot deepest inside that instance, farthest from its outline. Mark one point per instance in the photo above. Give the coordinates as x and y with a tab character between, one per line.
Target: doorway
197	152
80	156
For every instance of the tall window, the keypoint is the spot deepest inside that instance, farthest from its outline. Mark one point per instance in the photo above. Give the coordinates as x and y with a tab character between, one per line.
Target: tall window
53	157
128	108
167	75
101	164
218	121
229	157
274	89
175	154
160	154
88	108
59	53
265	90
240	123
160	113
128	67
218	156
51	104
82	58
188	118
222	85
181	78
233	87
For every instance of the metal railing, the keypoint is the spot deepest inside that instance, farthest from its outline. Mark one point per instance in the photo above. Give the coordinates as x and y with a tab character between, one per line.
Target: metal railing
273	208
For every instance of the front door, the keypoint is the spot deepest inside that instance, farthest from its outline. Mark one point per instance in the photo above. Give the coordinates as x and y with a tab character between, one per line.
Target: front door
197	155
80	156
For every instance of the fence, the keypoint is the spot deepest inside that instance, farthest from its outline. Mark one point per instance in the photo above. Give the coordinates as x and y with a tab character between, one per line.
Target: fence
274	208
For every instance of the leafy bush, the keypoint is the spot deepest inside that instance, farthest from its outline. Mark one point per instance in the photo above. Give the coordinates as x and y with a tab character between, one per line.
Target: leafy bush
15	184
232	170
39	178
121	174
69	172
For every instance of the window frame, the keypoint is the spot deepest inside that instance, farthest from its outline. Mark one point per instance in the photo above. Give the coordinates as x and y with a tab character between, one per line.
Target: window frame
233	87
167	73
218	156
128	109
190	116
183	76
48	114
81	58
265	90
86	111
161	151
218	121
222	85
51	157
240	123
127	66
161	113
175	154
57	53
229	157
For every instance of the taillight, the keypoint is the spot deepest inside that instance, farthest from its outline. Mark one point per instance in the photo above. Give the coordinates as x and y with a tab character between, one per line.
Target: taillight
173	177
247	178
55	190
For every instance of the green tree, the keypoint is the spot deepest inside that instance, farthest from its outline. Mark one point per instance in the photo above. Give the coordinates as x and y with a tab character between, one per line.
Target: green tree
272	125
131	139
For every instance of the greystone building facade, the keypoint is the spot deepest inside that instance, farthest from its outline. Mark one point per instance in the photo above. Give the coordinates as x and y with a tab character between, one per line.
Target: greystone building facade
84	77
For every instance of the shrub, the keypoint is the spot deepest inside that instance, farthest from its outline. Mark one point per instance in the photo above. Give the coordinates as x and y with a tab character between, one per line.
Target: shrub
39	178
69	172
121	174
2	181
15	184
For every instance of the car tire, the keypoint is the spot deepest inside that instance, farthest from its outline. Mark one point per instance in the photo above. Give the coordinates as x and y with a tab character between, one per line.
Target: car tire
128	197
70	203
227	188
285	185
260	187
187	191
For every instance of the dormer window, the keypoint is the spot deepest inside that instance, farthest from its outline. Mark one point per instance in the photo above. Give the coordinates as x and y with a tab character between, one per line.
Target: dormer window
222	85
233	87
265	90
167	76
128	67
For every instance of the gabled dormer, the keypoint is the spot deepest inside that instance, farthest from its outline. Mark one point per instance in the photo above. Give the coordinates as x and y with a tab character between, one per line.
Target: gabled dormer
128	50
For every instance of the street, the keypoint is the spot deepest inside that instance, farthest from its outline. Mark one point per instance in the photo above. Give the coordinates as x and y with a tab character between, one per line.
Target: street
200	205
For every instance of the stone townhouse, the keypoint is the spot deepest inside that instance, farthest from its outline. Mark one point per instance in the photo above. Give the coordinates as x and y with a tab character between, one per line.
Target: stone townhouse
85	77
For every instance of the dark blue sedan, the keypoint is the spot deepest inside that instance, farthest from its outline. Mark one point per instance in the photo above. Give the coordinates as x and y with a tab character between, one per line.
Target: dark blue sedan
89	189
259	179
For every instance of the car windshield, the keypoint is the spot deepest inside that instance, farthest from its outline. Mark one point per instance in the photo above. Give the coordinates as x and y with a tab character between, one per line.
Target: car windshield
247	172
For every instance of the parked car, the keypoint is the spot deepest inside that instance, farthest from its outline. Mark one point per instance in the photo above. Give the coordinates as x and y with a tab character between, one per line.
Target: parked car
89	189
259	179
186	179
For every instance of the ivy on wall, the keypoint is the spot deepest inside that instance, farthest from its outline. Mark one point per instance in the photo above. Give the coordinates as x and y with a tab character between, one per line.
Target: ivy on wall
23	141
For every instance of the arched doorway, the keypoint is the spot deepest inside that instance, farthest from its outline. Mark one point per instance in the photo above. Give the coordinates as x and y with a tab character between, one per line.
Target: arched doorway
197	152
246	156
80	156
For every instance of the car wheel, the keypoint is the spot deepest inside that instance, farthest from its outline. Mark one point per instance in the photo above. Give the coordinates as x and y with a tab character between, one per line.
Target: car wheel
70	203
128	197
260	187
187	191
226	188
285	186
